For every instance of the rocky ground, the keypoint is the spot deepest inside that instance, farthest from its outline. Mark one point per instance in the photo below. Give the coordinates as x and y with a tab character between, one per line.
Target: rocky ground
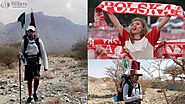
64	82
101	91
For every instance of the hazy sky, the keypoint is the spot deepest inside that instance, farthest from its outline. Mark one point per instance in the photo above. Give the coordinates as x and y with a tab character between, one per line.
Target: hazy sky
74	10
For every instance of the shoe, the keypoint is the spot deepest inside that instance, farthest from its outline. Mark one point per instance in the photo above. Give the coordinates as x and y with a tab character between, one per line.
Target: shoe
35	97
29	100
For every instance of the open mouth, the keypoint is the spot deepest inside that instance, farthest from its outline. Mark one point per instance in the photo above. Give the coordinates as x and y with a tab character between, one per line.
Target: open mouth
134	29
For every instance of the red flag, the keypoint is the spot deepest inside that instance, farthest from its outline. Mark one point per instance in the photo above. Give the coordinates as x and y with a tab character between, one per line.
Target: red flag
32	23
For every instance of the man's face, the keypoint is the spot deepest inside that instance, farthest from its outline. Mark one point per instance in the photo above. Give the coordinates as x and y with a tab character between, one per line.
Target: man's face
135	78
31	34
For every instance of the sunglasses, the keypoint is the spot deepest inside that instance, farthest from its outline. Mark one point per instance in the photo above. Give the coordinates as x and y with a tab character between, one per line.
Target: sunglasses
29	31
136	76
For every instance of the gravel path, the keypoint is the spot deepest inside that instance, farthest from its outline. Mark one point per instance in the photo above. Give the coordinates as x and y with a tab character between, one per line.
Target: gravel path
64	82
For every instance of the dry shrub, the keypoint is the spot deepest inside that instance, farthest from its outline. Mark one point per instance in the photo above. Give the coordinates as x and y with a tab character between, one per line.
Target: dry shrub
75	85
145	83
54	100
8	55
79	49
47	75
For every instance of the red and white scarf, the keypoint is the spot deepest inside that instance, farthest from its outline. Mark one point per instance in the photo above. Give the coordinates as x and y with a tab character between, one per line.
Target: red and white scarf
147	9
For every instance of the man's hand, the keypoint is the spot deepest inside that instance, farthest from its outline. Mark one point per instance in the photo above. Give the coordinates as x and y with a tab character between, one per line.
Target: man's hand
19	55
45	69
140	99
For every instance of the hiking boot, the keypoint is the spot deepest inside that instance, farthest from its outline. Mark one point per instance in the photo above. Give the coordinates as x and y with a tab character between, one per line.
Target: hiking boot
29	100
35	97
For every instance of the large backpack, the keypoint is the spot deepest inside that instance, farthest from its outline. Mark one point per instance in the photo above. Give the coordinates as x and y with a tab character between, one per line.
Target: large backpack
32	60
26	44
125	79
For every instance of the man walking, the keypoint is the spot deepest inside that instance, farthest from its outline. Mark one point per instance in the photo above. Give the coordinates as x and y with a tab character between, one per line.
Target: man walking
132	92
32	49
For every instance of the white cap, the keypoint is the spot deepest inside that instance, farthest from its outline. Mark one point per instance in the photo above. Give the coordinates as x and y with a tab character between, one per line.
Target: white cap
31	28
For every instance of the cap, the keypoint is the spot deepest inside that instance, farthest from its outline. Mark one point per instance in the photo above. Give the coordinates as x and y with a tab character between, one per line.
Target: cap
32	28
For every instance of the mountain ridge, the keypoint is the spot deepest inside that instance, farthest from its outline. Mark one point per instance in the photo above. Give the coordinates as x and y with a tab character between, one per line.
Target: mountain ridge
57	33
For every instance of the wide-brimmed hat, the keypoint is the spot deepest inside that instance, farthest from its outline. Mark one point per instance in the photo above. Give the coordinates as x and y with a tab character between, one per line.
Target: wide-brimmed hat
31	28
135	65
135	72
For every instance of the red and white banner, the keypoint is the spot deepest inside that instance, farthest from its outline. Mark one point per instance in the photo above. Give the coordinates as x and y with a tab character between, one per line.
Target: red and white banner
116	51
112	46
147	9
109	44
174	48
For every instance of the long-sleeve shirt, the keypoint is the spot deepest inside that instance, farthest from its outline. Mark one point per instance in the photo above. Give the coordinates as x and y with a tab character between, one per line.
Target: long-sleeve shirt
135	95
32	49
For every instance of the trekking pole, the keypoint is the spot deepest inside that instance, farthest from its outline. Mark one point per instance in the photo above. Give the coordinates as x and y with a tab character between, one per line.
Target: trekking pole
20	77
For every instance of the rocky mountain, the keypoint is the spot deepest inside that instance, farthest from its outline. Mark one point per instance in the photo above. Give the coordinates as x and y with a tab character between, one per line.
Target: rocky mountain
58	33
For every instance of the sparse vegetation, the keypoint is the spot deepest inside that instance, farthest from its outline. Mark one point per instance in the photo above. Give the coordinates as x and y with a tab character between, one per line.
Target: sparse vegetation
116	73
8	55
157	85
79	50
181	63
174	71
145	83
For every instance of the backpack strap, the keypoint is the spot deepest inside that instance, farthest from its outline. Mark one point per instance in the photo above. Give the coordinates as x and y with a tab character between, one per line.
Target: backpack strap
25	46
38	45
130	89
139	87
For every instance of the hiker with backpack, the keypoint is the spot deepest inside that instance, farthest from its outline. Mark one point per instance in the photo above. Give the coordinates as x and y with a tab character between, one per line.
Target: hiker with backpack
132	91
32	49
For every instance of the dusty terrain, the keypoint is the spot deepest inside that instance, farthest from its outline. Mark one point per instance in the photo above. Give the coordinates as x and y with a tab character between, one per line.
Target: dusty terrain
101	91
64	82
